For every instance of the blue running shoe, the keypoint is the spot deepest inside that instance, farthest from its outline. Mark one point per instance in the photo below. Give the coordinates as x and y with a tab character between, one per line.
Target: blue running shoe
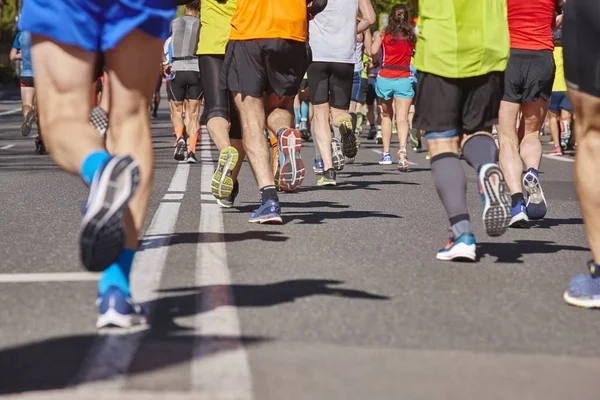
116	309
536	203
495	198
519	218
102	235
268	213
459	249
584	291
386	159
318	167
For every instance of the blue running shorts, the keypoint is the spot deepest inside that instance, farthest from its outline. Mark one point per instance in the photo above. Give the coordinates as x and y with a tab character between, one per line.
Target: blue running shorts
396	87
96	25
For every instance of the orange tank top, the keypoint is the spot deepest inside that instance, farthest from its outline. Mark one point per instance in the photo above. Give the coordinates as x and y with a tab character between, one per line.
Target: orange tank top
267	19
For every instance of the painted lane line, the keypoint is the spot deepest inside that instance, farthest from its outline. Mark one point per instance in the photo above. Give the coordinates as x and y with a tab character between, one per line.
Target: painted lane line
381	152
10	112
179	181
559	158
8	146
173	196
220	368
112	353
49	277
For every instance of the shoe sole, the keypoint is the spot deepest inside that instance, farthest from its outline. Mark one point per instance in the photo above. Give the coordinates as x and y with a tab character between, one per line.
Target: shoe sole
337	157
266	220
179	154
327	183
318	171
191	161
224	205
519	221
99	120
102	235
291	175
348	138
27	124
385	163
536	203
457	257
111	318
379	140
222	182
497	208
305	135
403	165
581	302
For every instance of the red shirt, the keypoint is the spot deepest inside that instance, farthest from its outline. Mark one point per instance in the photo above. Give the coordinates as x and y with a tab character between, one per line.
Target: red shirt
530	24
396	53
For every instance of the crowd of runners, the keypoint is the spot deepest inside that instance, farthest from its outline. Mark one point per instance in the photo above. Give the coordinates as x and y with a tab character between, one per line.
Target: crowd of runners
266	76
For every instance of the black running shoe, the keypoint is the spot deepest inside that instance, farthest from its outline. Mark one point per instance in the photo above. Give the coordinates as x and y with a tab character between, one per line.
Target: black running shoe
40	148
228	201
191	158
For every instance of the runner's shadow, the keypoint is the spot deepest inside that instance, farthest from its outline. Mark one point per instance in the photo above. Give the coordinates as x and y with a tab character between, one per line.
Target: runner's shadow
513	251
548	223
166	309
354	185
55	363
156	241
287	205
319	217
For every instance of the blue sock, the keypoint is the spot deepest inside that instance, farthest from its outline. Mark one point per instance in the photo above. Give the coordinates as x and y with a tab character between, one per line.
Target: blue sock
297	114
304	111
92	163
118	273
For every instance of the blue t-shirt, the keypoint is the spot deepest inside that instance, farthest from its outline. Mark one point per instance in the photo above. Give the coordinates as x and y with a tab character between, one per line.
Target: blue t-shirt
23	43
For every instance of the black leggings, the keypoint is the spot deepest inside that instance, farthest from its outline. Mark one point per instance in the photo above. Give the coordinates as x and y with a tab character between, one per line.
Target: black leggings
218	101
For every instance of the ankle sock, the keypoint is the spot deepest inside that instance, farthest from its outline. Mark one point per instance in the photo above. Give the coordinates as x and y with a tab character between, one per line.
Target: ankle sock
268	193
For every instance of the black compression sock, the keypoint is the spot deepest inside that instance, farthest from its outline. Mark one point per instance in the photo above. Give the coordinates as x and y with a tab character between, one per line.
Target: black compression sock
516	198
268	193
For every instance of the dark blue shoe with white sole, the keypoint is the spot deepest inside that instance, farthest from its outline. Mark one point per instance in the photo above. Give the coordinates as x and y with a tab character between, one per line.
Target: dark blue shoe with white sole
536	202
268	213
519	218
116	309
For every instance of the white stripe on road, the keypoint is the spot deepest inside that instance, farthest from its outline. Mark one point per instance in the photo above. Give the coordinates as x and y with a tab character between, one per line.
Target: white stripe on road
49	277
110	356
8	146
10	112
381	152
173	196
220	368
179	181
559	158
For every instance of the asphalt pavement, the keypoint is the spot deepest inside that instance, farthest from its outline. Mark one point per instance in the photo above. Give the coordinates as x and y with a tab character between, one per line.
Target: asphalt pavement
345	300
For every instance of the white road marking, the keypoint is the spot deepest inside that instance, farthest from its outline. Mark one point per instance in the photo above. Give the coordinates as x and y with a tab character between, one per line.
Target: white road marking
10	112
49	277
381	152
179	181
109	358
559	158
173	196
8	146
220	368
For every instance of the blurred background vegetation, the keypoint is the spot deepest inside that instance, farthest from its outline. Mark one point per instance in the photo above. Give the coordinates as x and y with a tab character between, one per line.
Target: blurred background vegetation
8	28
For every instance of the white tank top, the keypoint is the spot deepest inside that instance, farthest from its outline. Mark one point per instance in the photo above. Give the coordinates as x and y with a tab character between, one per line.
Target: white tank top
358	63
333	32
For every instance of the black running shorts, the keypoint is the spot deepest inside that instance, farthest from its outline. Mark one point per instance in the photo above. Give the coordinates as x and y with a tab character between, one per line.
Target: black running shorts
259	66
362	96
331	82
371	93
468	105
186	85
26	81
218	101
529	76
581	47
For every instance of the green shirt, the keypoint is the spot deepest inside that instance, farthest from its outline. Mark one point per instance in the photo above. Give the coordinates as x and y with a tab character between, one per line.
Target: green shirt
215	18
462	38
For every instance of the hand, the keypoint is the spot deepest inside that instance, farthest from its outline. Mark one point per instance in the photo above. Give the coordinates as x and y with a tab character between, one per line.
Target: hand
559	20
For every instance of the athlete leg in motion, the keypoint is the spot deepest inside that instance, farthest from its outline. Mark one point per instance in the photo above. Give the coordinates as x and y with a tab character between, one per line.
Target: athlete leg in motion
581	65
387	116
156	97
109	232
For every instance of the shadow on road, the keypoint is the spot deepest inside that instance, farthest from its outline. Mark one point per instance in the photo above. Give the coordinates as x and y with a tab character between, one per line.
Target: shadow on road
285	205
354	185
513	251
155	241
319	217
548	223
57	362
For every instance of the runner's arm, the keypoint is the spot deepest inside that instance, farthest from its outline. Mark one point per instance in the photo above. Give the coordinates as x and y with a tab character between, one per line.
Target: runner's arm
368	13
376	46
316	6
15	54
368	42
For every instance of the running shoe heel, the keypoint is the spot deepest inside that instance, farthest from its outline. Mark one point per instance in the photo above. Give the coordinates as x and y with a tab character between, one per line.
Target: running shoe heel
291	174
222	181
